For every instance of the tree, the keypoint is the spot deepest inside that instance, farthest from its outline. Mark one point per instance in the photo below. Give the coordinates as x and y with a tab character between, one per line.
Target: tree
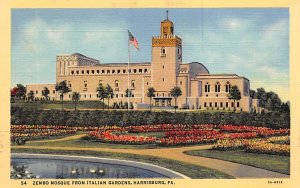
284	107
128	94
75	98
234	94
45	92
252	94
30	95
109	93
176	92
62	88
101	93
268	100
273	101
262	97
21	91
150	94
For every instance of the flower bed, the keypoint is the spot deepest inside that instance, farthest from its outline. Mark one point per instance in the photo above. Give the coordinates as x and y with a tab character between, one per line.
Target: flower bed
167	127
109	137
261	131
227	137
254	145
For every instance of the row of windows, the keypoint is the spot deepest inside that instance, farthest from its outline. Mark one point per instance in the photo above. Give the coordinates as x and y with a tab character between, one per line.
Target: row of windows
217	87
37	92
85	84
119	71
85	96
221	104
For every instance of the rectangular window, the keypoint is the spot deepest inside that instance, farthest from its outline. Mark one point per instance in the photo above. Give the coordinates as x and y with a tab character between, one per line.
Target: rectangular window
93	72
145	70
231	104
210	104
98	71
205	104
53	91
72	72
162	52
216	104
117	95
124	71
238	104
77	72
103	71
132	83
221	104
108	71
88	72
226	104
140	70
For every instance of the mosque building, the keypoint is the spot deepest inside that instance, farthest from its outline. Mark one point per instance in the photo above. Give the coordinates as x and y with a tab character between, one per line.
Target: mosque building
200	89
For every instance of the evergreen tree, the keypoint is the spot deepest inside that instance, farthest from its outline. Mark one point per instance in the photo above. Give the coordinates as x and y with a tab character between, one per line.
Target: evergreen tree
62	88
45	92
101	93
21	91
150	94
75	98
176	92
30	95
234	94
109	93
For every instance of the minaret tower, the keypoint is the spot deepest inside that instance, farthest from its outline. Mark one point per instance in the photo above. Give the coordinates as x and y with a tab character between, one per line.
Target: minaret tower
166	57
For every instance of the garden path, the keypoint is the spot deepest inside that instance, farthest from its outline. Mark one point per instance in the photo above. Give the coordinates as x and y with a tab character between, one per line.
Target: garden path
234	169
74	137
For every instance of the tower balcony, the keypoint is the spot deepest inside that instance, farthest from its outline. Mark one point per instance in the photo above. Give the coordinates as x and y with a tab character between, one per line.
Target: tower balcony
169	40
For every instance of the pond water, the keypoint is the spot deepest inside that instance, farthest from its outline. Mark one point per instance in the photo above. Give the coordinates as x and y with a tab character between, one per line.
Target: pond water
72	169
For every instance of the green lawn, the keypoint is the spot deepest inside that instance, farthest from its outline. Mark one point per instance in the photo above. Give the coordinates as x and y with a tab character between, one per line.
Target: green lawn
274	163
57	104
87	143
190	170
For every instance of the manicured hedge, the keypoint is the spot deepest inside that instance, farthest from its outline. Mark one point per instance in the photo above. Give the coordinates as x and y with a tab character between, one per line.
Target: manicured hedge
123	118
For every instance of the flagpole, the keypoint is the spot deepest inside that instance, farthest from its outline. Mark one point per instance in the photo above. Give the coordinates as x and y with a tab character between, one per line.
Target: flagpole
128	80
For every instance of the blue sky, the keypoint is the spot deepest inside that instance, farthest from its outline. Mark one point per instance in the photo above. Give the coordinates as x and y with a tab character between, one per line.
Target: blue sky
249	42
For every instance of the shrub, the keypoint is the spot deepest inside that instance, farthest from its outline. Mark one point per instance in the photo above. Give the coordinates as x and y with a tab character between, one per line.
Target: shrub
30	116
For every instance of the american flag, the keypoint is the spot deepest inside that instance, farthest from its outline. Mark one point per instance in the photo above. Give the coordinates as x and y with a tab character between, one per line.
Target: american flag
133	41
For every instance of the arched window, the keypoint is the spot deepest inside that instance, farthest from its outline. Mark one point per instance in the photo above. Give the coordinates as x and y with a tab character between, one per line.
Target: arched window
207	87
217	87
227	87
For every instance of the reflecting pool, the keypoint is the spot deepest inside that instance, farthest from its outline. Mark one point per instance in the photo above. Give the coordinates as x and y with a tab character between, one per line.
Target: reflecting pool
71	169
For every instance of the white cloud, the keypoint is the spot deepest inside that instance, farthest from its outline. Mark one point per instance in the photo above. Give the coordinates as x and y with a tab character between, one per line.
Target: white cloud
234	23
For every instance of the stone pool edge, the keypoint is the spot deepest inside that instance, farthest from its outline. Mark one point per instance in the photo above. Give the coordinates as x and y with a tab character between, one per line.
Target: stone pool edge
147	166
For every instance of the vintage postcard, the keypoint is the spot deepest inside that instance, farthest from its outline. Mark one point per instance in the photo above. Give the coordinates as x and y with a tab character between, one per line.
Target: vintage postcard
149	94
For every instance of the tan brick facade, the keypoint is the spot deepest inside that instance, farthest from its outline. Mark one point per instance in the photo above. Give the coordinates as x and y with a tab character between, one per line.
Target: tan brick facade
200	89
